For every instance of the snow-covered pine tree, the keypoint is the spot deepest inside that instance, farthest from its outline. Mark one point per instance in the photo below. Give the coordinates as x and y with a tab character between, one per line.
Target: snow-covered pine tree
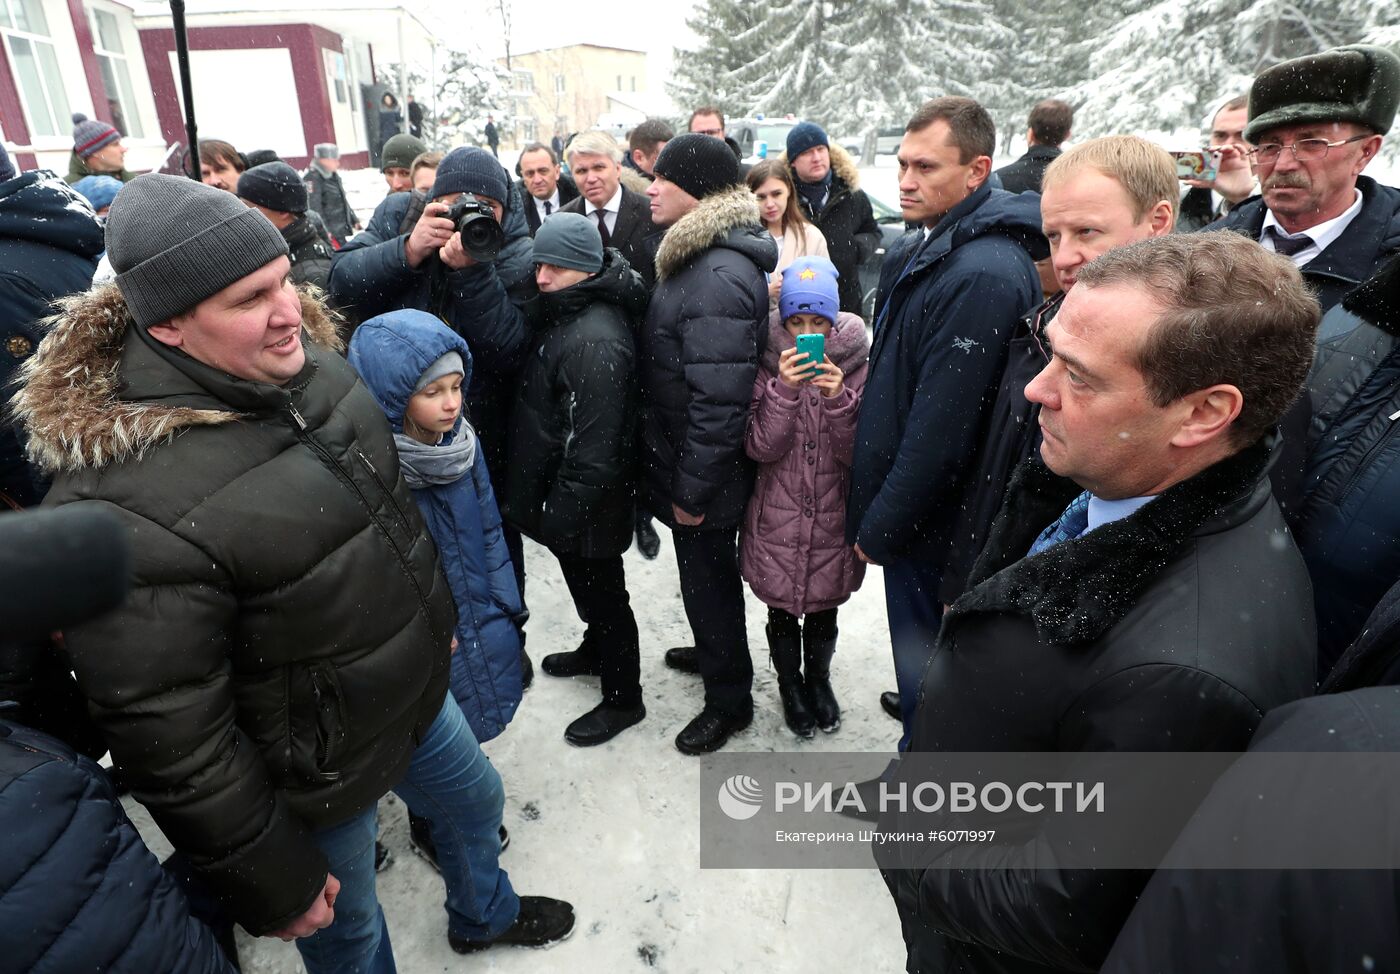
725	43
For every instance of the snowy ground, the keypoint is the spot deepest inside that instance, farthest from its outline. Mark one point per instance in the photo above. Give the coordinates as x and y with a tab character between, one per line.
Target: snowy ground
615	829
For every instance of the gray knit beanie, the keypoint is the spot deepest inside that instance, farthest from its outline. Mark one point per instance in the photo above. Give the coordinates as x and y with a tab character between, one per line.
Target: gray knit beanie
569	240
174	242
449	364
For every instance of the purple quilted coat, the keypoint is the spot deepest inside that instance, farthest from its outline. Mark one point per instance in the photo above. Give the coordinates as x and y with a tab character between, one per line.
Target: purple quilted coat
793	550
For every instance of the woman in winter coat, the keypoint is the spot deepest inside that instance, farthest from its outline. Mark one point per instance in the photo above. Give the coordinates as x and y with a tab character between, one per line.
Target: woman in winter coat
390	119
793	550
571	455
416	367
771	183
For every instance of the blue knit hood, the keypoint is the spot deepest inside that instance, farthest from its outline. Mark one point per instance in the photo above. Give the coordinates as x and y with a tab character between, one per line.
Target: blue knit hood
393	350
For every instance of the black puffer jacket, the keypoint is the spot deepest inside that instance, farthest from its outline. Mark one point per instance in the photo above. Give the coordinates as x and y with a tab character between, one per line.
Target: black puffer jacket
1349	524
847	221
79	890
706	328
286	640
310	253
326	195
572	461
1147	634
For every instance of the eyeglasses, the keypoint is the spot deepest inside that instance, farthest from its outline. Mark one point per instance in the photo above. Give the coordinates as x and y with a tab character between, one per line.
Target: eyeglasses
712	133
1304	150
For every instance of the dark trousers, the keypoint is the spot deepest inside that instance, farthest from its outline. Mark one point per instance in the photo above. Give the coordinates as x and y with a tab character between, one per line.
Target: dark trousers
915	614
814	625
713	594
599	590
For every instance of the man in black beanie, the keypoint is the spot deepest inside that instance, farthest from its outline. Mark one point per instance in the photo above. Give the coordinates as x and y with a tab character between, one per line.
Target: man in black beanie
276	190
1315	123
705	331
399	263
283	657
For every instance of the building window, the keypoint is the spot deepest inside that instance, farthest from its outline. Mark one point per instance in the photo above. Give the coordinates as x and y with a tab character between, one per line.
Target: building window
558	84
26	33
528	130
335	71
634	82
116	75
524	81
619	82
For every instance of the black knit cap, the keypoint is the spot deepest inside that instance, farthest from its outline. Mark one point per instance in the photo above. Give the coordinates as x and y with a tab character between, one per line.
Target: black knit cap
1358	83
274	185
698	164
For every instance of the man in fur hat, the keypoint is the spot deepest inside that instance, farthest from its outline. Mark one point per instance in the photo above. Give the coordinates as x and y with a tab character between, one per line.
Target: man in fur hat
1315	123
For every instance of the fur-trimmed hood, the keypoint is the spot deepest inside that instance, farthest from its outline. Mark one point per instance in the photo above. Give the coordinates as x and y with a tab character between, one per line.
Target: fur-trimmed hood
634	180
73	398
728	218
843	167
1076	591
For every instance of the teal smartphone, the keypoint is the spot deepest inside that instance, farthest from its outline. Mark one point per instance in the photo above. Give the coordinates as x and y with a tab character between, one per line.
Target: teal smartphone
815	348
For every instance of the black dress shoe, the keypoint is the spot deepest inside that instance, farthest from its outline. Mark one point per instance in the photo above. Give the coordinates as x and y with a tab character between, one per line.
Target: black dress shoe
505	838
527	670
683	658
889	702
602	724
710	731
572	663
648	542
383	858
542	921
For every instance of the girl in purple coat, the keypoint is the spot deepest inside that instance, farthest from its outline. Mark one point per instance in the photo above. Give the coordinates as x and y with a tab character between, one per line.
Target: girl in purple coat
802	426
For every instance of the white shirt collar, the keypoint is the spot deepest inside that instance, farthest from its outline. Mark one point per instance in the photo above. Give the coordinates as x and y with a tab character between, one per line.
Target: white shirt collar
1321	235
553	202
613	205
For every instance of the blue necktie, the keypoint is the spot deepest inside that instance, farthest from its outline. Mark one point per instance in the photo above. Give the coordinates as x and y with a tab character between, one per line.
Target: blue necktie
1066	527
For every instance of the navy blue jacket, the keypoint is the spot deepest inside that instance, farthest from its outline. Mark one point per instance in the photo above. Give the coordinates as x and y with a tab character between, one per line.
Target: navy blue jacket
483	303
391	353
49	244
1354	256
947	307
79	890
1349	525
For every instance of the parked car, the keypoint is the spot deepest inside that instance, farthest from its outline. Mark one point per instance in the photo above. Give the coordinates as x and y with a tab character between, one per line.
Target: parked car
759	138
892	227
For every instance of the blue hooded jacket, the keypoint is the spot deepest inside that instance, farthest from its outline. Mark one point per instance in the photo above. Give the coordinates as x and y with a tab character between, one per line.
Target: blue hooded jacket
945	310
49	244
391	352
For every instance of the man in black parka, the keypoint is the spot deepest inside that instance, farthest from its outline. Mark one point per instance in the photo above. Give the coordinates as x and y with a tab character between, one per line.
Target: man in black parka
1165	608
285	648
572	456
705	331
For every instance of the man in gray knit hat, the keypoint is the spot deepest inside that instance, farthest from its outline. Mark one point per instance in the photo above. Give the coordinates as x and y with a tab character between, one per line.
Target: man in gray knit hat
283	658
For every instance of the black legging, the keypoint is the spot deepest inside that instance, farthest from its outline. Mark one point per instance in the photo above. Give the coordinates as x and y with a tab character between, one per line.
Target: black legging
815	625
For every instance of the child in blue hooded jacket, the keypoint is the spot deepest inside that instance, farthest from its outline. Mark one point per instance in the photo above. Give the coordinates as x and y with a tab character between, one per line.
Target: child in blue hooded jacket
416	368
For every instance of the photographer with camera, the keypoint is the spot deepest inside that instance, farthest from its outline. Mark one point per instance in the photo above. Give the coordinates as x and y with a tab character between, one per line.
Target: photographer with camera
468	259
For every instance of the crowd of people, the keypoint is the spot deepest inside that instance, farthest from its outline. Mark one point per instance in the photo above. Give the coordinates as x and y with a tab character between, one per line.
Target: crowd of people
1120	446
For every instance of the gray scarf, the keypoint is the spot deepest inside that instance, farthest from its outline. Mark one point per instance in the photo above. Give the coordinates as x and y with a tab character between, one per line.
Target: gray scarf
441	463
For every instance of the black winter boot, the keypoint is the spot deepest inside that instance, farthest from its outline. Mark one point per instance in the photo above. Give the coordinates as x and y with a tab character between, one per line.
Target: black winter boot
817	653
786	654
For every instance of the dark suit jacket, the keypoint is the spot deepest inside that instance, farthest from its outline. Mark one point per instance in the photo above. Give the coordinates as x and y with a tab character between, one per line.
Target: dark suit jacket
634	234
568	192
1023	175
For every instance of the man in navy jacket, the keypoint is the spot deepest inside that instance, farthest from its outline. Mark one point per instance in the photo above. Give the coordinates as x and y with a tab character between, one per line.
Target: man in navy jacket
949	297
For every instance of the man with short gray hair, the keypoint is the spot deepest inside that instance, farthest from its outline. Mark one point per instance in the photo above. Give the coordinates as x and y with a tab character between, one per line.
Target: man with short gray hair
1140	590
623	217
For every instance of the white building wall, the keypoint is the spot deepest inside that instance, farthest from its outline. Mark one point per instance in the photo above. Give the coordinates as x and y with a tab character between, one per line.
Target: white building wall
247	97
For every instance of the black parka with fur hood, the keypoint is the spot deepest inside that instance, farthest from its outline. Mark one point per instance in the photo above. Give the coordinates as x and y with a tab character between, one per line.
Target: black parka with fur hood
286	640
706	328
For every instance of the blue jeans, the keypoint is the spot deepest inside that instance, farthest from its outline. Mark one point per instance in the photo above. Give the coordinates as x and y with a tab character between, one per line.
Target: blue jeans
452	784
915	614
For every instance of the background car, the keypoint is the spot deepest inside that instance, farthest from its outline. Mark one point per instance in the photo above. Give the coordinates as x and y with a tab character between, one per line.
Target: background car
752	134
892	227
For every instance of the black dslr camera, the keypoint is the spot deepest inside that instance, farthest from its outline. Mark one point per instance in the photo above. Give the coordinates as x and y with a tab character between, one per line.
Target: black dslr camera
482	237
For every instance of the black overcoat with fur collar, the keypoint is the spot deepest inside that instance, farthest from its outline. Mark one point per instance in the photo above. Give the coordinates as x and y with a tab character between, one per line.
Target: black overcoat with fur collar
1172	629
286	640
